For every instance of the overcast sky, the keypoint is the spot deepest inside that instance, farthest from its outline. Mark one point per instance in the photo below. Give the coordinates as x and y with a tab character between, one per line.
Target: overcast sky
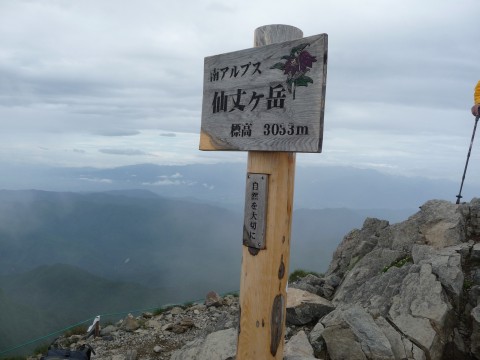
107	82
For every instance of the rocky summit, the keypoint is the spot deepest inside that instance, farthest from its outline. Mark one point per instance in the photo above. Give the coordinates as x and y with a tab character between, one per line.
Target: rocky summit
409	290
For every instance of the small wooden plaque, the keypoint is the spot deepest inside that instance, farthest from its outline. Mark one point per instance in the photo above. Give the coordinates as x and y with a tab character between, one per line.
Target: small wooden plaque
256	195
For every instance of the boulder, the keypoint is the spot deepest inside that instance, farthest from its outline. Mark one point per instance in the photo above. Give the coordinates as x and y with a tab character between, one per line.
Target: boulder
107	330
342	344
353	328
298	345
310	283
441	223
219	345
130	323
446	264
316	339
182	325
475	337
365	280
177	310
213	299
421	310
355	245
304	307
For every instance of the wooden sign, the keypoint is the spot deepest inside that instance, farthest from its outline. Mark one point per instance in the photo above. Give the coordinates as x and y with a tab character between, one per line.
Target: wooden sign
268	98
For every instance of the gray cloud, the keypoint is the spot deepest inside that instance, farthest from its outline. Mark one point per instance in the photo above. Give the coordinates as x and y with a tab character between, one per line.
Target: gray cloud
115	132
399	85
128	152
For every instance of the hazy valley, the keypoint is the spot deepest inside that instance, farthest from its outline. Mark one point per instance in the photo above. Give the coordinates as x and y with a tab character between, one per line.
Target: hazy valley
98	246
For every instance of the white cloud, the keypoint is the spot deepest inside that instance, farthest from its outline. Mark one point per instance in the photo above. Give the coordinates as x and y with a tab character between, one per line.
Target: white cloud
97	180
127	152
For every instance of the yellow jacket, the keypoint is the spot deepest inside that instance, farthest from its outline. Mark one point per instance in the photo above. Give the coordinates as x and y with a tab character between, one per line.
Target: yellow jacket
476	96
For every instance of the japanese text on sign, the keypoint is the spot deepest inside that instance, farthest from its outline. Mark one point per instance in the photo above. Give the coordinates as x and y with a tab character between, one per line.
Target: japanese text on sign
269	98
255	211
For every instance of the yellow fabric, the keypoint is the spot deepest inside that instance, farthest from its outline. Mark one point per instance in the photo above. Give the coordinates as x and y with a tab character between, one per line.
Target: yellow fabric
476	96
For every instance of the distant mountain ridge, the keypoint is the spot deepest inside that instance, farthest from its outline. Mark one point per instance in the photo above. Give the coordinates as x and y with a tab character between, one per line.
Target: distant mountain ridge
316	187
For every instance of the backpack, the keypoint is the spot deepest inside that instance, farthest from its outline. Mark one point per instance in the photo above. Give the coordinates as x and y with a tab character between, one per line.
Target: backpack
81	353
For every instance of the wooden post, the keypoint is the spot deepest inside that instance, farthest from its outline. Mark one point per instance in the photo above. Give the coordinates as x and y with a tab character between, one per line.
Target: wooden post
265	271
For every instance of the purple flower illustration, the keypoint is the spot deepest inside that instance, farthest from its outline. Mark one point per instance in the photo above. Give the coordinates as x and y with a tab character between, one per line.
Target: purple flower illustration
299	62
306	60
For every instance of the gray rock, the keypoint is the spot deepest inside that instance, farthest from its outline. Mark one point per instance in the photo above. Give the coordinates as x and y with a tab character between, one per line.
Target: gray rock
421	310
441	223
310	283
298	345
333	280
107	330
213	299
342	343
394	338
373	341
476	276
177	310
182	325
316	339
367	280
355	245
219	345
147	315
446	264
460	350
131	355
363	333
475	337
402	348
189	351
304	307
130	323
475	255
167	327
198	307
474	295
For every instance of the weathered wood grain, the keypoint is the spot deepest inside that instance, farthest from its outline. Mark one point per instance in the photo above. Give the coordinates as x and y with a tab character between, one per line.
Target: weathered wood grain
265	272
240	108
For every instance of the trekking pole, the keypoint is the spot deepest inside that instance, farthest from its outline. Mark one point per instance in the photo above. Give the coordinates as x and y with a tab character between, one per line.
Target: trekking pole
459	196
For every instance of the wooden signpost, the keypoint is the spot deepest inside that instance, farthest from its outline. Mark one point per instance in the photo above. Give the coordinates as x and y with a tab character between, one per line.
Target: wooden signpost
268	100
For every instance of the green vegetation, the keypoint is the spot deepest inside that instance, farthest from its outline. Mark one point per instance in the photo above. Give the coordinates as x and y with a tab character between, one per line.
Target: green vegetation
399	263
162	310
187	304
41	349
300	273
232	293
77	330
353	262
467	284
